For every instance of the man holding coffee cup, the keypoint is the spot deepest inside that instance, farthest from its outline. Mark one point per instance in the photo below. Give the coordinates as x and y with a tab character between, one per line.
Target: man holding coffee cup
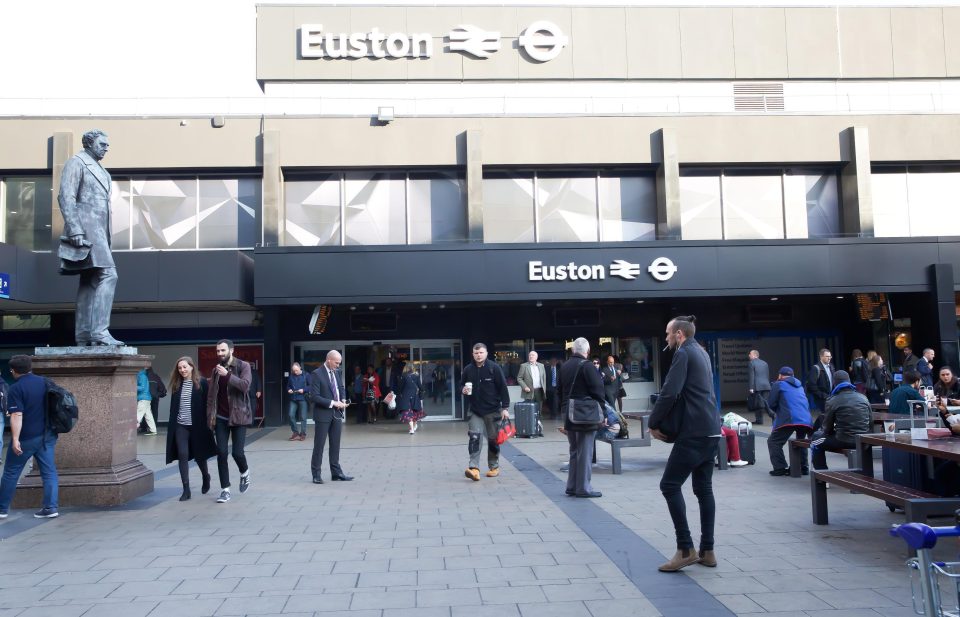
486	390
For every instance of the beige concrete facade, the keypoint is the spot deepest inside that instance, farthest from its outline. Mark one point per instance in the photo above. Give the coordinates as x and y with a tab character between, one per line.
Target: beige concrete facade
629	43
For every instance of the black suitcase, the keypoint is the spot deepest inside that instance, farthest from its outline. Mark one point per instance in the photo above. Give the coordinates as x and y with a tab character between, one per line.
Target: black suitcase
748	447
526	419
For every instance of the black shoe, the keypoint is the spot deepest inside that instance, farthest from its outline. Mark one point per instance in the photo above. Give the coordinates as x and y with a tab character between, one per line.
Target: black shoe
570	493
780	472
317	480
342	478
206	484
804	472
590	495
186	494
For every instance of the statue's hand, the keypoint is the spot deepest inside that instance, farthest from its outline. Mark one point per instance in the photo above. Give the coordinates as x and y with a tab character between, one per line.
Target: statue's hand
77	240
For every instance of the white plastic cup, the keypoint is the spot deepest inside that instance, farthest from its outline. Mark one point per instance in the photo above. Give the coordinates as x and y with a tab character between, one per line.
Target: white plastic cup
469	387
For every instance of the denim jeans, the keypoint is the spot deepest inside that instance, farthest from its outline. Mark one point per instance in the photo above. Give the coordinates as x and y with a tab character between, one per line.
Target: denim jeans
691	456
42	448
298	412
224	431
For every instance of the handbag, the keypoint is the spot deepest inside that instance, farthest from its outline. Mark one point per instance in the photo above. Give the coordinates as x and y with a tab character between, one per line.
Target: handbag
621	393
506	431
582	410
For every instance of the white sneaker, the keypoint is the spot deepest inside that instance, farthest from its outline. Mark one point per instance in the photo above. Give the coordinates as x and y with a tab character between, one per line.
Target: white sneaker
740	463
411	432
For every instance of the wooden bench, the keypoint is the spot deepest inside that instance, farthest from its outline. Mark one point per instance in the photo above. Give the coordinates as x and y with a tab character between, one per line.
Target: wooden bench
918	505
799	447
617	444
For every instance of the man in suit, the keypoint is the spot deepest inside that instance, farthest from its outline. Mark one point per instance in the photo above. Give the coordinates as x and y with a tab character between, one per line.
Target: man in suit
819	381
553	371
327	395
612	382
84	250
688	406
758	384
532	379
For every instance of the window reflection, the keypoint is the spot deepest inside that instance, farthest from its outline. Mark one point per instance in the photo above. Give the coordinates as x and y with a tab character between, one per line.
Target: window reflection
312	211
638	355
567	208
374	209
508	208
628	208
510	355
437	208
27	212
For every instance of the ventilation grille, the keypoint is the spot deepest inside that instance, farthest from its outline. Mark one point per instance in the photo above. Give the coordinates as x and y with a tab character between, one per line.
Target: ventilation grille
758	97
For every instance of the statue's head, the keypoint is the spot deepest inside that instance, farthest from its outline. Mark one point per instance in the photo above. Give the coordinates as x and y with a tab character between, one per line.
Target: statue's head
96	143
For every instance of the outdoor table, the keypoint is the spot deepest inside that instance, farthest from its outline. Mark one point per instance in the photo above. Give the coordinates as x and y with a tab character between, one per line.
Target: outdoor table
947	448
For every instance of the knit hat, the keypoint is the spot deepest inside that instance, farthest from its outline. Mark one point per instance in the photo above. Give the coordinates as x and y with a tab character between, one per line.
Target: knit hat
786	371
840	377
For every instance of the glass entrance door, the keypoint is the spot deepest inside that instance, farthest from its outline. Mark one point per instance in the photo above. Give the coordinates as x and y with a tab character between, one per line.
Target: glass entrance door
438	369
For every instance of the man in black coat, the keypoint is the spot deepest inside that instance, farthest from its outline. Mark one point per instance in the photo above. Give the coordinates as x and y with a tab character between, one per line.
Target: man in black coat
686	413
578	379
327	396
848	414
819	382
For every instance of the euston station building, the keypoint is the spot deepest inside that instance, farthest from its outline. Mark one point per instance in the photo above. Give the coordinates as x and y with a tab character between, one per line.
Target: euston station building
404	181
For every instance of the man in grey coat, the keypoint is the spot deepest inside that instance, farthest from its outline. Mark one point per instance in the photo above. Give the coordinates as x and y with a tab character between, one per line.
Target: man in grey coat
85	244
758	385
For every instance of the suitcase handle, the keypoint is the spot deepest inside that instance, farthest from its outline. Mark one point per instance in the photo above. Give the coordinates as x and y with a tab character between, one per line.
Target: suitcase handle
741	430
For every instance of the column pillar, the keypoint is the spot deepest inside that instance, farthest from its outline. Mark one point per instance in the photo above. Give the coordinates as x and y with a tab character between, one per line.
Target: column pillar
855	183
945	313
668	184
62	151
273	365
474	185
273	212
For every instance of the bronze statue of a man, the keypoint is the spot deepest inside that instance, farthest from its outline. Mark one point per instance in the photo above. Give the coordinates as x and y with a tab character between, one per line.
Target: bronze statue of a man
85	244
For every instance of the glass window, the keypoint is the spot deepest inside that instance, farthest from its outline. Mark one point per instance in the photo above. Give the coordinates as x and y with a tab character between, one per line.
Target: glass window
27	212
312	211
510	356
229	209
638	356
752	207
933	203
120	210
25	322
508	208
700	207
628	208
811	205
375	209
567	208
164	213
438	208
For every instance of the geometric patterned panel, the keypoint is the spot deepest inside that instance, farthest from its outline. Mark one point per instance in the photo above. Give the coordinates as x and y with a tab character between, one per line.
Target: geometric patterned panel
567	208
700	208
120	215
438	208
507	208
312	211
823	206
628	208
753	207
376	209
164	213
228	212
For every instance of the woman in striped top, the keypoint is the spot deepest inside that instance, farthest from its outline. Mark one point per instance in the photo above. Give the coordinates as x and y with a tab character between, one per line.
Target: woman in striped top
188	435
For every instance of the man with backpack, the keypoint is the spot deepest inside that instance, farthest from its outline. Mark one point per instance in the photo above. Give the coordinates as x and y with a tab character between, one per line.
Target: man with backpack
31	437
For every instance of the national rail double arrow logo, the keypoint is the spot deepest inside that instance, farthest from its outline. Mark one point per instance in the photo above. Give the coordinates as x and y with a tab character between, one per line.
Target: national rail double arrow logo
474	41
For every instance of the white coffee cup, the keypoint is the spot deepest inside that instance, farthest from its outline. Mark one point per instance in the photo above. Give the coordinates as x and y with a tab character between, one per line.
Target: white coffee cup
469	387
890	427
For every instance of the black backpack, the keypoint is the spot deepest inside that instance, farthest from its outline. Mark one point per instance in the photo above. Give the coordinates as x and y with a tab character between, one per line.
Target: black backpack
62	411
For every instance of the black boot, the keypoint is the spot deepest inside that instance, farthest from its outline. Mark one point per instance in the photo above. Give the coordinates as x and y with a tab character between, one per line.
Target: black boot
186	493
206	485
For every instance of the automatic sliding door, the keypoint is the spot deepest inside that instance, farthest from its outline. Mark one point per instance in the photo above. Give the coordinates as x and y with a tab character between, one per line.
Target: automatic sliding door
437	370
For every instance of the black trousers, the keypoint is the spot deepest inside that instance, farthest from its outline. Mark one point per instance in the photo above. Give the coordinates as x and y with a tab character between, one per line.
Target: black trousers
239	435
182	440
819	455
325	425
691	456
778	438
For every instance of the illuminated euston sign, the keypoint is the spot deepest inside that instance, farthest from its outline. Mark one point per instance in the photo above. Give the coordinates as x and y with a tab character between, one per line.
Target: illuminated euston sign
661	269
542	41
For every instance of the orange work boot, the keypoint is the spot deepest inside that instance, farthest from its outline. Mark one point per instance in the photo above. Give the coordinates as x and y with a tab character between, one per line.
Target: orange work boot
473	473
493	473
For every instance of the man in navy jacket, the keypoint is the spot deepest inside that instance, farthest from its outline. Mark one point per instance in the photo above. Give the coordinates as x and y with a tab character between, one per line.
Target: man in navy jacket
686	413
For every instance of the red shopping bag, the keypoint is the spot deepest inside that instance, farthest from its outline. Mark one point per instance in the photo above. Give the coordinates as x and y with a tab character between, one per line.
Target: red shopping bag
506	431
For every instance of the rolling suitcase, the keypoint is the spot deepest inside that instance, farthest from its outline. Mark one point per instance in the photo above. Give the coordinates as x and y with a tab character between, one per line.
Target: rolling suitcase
748	449
527	419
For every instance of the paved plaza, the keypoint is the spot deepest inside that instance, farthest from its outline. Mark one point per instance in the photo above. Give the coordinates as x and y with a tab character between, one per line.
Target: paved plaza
410	536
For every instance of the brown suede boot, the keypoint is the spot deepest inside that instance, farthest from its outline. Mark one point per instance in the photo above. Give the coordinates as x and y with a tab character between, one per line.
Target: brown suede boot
708	558
681	559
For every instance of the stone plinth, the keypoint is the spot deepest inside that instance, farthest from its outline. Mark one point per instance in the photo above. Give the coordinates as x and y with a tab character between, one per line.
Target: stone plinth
97	460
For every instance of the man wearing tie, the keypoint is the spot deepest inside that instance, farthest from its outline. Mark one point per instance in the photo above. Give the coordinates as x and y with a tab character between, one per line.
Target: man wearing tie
611	381
327	395
552	387
820	379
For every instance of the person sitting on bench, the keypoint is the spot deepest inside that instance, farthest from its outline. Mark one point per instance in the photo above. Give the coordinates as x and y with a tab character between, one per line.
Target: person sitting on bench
733	447
848	414
611	424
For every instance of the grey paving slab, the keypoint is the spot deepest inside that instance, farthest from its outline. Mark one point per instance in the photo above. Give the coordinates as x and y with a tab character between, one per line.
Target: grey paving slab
448	597
384	599
186	608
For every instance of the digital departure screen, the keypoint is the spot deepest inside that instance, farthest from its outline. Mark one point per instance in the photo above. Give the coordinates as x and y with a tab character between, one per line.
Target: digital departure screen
873	307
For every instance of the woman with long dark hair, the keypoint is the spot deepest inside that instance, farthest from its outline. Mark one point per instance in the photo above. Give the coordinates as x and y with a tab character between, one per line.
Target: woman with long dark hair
188	434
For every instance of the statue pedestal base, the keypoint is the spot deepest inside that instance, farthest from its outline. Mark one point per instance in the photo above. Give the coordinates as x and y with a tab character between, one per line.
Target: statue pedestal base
96	461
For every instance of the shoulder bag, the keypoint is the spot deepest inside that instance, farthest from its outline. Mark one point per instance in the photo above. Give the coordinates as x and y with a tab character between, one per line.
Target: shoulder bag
582	411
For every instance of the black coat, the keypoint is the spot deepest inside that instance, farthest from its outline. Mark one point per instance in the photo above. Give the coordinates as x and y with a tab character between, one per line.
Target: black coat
410	394
688	391
586	382
202	444
818	383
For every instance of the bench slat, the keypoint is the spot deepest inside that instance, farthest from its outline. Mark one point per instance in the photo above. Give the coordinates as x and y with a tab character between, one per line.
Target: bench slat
881	489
